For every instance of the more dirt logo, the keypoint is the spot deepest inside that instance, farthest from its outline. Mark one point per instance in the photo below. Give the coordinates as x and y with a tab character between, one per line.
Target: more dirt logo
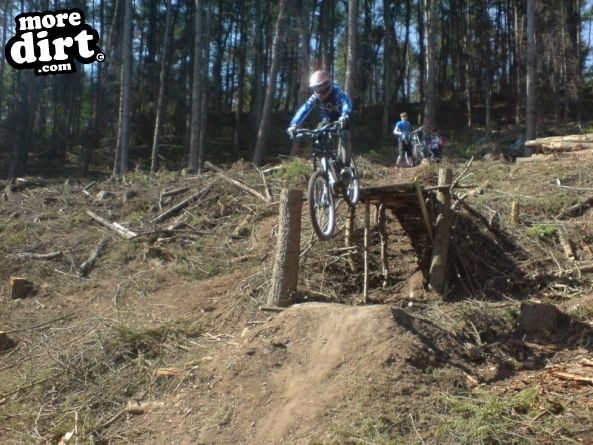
48	42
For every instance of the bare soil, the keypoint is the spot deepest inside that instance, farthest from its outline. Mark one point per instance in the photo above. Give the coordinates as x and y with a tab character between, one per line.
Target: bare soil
172	320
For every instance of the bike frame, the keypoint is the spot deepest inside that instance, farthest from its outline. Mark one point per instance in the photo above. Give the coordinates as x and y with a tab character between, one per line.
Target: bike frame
322	151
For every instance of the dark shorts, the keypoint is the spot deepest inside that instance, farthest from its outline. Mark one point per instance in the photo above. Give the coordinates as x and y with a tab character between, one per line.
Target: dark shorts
404	148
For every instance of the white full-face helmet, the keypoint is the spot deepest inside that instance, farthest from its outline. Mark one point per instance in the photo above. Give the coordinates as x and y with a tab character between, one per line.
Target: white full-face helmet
320	82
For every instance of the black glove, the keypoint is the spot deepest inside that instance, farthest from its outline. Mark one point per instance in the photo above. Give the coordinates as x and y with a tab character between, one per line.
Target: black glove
291	131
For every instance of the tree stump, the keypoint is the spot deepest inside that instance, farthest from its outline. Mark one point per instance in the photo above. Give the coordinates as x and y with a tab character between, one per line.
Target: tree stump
5	341
21	288
539	318
286	267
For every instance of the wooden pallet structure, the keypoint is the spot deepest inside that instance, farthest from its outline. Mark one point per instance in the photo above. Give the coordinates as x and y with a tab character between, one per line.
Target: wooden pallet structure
428	229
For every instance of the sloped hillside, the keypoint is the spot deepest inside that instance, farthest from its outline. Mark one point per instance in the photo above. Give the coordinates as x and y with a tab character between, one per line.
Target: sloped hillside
162	339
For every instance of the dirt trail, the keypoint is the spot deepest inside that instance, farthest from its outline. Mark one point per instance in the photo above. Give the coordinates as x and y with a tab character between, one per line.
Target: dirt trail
301	375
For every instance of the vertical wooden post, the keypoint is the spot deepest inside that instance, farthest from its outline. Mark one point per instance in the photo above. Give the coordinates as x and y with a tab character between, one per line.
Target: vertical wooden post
440	246
348	233
514	213
367	242
383	233
286	268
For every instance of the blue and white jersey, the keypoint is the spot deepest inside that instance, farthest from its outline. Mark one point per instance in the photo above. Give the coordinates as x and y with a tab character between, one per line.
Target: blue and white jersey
336	104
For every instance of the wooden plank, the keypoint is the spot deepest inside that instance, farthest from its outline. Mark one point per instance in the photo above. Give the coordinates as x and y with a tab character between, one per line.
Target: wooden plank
367	242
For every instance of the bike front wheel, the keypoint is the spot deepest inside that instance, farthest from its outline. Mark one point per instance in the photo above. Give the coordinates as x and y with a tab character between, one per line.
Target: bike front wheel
418	154
351	185
321	206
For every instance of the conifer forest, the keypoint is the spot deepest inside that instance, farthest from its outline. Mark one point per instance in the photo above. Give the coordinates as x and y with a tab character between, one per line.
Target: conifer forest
182	82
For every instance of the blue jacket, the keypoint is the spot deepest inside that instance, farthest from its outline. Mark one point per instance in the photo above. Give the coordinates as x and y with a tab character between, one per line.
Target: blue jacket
336	104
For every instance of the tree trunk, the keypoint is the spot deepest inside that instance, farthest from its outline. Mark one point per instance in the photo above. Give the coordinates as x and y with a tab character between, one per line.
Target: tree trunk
387	67
431	64
530	84
196	104
2	59
241	78
161	96
121	157
262	133
440	247
204	93
304	34
351	61
286	267
468	50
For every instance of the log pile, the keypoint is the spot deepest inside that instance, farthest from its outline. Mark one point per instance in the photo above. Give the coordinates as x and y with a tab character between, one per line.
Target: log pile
573	142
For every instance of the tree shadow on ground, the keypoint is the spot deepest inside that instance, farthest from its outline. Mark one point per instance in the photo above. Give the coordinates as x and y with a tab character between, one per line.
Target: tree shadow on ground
484	261
503	348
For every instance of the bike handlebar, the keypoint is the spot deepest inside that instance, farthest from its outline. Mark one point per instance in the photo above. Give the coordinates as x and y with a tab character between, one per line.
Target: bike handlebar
327	128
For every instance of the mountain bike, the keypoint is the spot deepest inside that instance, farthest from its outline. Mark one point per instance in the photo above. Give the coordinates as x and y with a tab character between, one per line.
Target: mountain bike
330	178
419	147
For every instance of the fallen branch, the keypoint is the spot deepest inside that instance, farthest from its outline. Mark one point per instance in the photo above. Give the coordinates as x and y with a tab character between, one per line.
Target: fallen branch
40	325
577	209
85	189
573	377
86	267
587	268
266	188
180	205
143	406
271	309
121	230
37	256
174	192
460	177
239	184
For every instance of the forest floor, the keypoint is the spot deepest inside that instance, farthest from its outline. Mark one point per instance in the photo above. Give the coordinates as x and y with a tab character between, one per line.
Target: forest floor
164	340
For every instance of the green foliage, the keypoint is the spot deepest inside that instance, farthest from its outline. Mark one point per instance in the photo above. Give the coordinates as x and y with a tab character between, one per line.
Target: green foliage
554	203
542	230
13	235
295	169
486	418
121	252
131	342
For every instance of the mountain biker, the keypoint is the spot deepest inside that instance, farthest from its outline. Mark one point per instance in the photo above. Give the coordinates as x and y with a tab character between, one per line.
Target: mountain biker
436	145
401	129
334	104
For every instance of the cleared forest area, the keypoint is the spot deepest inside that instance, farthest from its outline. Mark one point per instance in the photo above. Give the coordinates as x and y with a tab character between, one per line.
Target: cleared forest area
163	338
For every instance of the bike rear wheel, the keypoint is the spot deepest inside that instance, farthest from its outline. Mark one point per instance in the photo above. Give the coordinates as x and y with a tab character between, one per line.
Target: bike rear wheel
351	185
321	206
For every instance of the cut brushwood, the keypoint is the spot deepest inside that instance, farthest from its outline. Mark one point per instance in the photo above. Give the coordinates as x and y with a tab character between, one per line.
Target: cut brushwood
239	184
86	267
176	208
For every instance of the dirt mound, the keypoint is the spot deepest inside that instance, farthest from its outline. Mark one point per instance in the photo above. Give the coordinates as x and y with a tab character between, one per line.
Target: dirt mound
307	372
